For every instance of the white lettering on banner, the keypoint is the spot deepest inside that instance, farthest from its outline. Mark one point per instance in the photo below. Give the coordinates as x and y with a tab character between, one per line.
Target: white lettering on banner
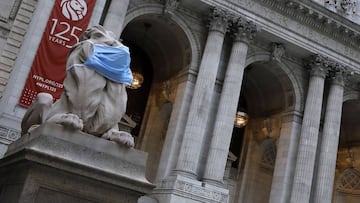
53	89
47	81
59	37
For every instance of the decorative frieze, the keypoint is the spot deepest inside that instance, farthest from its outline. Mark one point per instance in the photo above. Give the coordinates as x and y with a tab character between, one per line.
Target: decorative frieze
347	7
191	190
334	25
8	135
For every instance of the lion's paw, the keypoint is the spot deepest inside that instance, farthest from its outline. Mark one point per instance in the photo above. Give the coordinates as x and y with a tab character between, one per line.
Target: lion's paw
68	120
121	137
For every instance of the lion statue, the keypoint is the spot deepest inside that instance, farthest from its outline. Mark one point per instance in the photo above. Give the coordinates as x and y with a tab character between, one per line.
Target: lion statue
94	98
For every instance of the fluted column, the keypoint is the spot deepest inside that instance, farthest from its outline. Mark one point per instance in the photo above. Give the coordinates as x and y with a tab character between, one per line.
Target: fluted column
330	140
224	123
115	16
199	109
309	132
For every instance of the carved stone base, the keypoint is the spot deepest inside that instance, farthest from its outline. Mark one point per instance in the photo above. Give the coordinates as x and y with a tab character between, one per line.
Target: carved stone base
182	189
56	165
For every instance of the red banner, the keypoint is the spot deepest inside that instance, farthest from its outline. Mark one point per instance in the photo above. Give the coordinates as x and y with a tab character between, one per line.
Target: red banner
67	21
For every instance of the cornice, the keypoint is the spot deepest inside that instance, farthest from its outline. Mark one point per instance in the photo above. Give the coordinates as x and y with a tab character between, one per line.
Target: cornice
321	18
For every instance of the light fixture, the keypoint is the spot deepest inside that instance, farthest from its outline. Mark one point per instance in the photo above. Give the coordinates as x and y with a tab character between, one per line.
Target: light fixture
241	119
138	79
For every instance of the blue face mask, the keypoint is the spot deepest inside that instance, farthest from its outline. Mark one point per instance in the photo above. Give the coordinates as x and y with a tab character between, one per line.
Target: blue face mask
111	62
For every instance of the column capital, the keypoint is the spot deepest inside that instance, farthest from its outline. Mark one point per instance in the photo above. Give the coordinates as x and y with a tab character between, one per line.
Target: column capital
318	65
337	74
243	30
219	20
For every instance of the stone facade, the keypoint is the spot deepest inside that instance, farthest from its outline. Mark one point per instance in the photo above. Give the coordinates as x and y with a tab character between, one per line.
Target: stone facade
293	66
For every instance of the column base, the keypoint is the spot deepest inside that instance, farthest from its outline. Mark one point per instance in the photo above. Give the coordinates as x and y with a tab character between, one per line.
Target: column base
181	189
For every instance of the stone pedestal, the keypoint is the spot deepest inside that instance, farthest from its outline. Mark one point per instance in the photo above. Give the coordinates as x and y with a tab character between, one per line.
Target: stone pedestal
53	164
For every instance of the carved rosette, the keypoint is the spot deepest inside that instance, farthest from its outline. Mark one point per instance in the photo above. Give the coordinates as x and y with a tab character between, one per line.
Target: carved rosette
244	30
219	20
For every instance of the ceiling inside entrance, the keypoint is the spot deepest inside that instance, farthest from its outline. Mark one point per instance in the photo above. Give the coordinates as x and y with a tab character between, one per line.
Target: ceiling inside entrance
350	124
264	91
163	41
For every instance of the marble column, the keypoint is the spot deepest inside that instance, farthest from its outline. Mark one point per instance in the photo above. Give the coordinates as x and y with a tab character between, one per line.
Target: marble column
199	108
309	132
224	123
285	158
115	16
330	139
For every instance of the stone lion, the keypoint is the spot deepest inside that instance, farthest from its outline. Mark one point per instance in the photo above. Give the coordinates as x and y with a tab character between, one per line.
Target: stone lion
94	98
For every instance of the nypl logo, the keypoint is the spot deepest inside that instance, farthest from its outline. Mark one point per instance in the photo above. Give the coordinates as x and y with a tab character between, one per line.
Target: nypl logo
73	9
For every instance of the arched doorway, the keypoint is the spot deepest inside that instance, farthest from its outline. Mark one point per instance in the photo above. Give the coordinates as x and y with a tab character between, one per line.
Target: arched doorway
160	52
267	93
347	174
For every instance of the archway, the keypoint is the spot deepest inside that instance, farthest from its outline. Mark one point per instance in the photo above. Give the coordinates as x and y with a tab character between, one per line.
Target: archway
160	51
267	93
347	175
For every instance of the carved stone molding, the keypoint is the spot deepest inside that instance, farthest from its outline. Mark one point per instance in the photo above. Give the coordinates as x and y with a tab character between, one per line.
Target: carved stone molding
352	80
8	135
347	7
277	51
243	29
171	6
191	190
333	25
